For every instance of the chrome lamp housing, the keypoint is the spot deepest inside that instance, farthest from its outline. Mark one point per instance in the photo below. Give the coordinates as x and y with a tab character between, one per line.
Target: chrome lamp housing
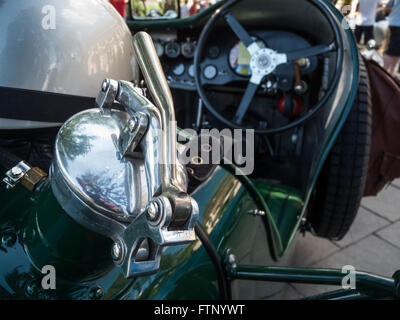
116	172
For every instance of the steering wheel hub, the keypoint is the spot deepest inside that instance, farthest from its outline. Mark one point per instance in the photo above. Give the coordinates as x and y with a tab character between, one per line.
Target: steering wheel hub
263	62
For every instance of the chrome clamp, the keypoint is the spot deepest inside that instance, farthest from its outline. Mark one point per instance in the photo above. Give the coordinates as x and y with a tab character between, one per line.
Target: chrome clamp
170	215
16	174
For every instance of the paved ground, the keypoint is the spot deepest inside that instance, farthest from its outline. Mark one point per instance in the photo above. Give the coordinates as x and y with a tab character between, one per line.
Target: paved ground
373	243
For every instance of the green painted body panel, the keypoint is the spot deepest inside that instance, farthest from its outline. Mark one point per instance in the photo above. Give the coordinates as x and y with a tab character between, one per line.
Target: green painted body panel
41	234
285	204
45	235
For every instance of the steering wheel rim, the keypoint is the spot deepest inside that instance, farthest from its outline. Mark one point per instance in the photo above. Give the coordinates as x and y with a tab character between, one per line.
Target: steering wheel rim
222	12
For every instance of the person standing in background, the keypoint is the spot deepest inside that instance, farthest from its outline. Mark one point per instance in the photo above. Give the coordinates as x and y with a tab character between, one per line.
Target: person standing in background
366	19
168	5
184	9
195	8
204	5
392	54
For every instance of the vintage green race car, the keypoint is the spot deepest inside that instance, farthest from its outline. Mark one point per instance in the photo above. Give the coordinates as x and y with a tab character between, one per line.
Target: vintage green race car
213	141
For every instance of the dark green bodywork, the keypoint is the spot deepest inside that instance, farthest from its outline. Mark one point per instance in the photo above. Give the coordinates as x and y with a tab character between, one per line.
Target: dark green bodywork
35	231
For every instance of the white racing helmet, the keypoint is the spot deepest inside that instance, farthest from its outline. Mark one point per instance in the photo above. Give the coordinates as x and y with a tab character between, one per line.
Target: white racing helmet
54	55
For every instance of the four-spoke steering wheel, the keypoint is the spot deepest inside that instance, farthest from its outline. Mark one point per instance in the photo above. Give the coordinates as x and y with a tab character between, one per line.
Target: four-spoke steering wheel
263	62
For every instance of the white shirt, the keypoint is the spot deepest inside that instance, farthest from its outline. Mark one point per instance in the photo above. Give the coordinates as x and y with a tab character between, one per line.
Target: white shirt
184	11
367	12
394	17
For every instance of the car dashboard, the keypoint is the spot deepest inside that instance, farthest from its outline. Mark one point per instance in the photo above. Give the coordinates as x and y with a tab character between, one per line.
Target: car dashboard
226	60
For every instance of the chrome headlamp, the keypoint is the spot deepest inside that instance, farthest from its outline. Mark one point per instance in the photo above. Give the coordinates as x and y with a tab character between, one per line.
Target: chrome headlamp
116	172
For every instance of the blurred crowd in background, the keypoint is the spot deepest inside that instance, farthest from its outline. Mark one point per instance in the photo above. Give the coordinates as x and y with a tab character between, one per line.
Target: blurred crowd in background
376	24
188	8
192	7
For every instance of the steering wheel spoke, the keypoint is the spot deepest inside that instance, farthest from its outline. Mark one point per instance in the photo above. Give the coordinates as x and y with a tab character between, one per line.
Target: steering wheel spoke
246	100
310	52
241	33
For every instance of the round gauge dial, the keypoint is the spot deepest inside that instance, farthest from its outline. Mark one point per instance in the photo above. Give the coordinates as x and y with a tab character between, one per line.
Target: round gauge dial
213	52
191	71
210	72
239	58
188	49
159	49
179	69
172	50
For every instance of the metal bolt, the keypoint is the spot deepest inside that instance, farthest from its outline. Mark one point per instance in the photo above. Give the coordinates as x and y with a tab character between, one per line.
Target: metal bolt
116	251
104	85
16	172
95	293
303	62
153	211
232	259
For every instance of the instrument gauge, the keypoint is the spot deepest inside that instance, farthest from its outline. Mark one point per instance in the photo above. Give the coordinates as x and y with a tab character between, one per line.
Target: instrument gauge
179	69
210	72
159	49
172	50
191	71
188	49
239	58
213	52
